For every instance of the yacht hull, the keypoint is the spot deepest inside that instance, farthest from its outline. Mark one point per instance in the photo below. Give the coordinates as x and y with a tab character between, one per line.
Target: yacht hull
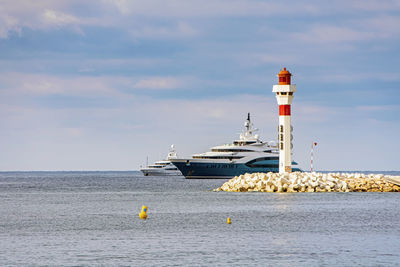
156	172
200	170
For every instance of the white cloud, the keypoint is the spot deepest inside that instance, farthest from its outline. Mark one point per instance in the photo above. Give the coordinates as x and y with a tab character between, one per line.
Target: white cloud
106	135
193	8
52	18
84	64
8	23
276	59
104	138
59	18
74	131
15	85
373	5
283	59
47	14
374	27
159	83
374	108
42	84
356	76
182	29
332	35
239	8
383	26
122	5
314	113
42	15
14	15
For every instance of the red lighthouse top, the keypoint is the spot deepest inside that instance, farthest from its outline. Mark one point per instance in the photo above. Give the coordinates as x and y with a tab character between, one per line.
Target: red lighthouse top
284	77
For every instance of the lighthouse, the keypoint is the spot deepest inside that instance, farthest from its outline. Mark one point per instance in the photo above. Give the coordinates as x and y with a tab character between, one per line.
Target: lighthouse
284	95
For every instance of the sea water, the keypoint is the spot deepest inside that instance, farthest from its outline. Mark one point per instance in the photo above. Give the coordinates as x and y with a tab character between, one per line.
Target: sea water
91	218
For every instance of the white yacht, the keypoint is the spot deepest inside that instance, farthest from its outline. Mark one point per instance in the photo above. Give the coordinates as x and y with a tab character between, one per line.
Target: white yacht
163	167
248	154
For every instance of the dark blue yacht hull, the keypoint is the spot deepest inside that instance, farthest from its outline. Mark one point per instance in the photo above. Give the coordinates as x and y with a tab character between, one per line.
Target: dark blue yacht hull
197	170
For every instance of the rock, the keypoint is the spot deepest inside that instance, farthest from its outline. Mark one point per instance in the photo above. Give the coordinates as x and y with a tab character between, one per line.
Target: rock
309	182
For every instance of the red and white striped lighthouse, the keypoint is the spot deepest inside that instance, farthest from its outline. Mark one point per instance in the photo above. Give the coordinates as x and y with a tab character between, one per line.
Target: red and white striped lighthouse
284	95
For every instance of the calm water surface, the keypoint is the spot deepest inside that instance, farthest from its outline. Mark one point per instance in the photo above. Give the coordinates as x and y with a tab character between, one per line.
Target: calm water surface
91	218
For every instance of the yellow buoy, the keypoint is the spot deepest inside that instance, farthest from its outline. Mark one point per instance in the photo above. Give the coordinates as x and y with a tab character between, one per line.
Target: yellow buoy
228	221
143	213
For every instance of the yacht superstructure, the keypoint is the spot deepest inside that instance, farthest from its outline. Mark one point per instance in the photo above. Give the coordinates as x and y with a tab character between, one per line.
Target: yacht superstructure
163	167
248	154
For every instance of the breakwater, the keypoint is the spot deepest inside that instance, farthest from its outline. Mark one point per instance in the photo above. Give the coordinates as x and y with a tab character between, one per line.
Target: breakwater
311	182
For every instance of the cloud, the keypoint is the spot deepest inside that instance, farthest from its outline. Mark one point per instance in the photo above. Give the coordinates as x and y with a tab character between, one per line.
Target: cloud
332	35
136	16
357	76
43	15
47	14
192	8
14	84
83	64
16	15
313	113
123	80
244	8
276	59
59	18
373	5
383	26
374	108
42	84
159	83
373	27
8	23
85	134
182	29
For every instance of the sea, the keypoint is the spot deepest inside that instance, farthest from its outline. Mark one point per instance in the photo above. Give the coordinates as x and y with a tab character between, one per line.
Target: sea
91	219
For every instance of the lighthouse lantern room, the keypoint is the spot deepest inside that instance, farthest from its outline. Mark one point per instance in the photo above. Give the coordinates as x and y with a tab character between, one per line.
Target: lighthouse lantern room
284	95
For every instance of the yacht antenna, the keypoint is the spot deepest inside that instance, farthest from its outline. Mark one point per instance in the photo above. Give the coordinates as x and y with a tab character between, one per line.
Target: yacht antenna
247	123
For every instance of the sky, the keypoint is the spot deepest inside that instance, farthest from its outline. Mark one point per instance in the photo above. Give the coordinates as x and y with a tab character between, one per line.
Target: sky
103	84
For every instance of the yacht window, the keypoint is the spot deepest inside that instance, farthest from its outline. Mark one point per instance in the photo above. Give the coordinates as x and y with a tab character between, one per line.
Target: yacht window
263	165
217	157
242	143
264	158
230	150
